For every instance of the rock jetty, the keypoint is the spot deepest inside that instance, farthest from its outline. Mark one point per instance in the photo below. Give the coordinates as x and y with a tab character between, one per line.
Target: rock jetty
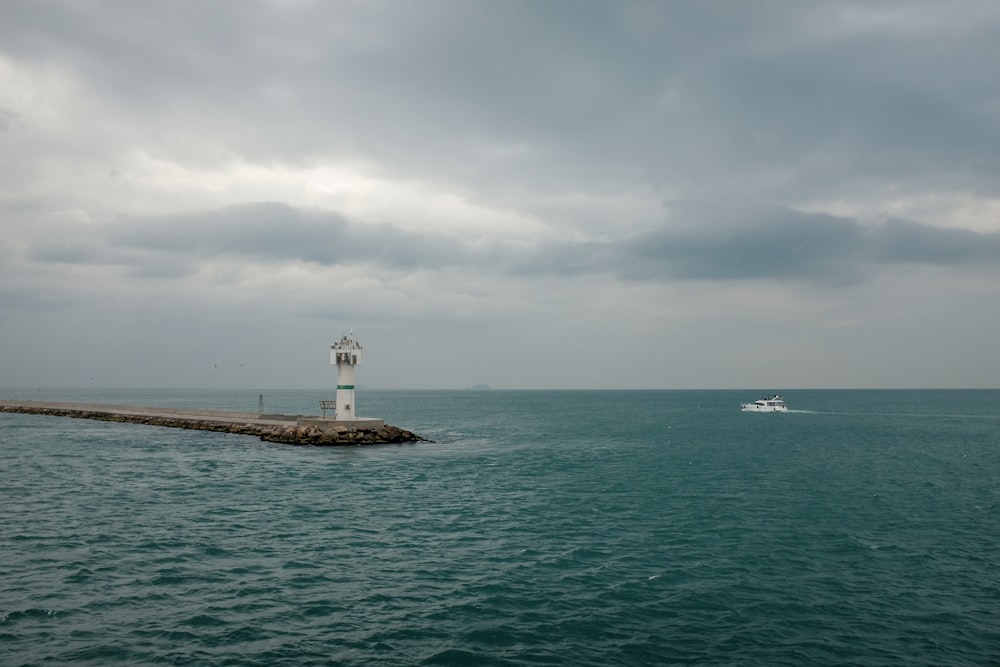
271	428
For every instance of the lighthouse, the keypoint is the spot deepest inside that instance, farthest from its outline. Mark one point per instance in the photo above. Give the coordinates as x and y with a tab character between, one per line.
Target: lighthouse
346	354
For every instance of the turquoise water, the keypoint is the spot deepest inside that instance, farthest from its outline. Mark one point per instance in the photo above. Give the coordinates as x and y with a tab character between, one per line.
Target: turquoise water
541	528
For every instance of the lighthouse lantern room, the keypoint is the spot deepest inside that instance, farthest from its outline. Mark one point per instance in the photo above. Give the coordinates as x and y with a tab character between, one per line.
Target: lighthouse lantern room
346	354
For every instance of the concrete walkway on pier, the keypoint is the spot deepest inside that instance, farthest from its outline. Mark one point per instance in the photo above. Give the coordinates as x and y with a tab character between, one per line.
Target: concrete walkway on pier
190	414
203	416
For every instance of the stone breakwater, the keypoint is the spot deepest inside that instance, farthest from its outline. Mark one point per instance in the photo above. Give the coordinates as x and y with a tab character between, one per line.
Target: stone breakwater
270	430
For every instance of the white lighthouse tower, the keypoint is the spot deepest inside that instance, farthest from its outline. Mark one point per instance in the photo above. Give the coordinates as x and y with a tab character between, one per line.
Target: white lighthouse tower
346	354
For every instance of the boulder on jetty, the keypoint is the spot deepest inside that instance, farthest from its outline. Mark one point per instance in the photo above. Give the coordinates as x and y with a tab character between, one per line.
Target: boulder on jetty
286	432
310	435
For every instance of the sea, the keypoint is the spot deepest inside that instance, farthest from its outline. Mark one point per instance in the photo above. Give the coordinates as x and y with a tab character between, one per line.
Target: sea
536	528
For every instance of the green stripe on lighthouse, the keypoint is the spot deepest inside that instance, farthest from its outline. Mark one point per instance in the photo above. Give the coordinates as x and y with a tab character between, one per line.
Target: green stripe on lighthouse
345	386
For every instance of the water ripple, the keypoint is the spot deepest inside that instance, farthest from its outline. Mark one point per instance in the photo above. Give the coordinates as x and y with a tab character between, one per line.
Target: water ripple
827	539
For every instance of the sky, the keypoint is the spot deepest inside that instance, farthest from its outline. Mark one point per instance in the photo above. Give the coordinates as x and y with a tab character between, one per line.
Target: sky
568	194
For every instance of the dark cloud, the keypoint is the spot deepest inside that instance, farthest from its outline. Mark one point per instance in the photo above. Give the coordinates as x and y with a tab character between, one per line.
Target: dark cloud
59	252
274	232
791	245
902	241
711	243
603	93
720	244
778	245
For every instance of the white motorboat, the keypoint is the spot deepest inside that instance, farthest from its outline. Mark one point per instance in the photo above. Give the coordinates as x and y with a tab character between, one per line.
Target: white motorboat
769	403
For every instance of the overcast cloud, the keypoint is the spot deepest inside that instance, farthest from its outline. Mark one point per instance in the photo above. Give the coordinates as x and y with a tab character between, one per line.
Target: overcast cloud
564	194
